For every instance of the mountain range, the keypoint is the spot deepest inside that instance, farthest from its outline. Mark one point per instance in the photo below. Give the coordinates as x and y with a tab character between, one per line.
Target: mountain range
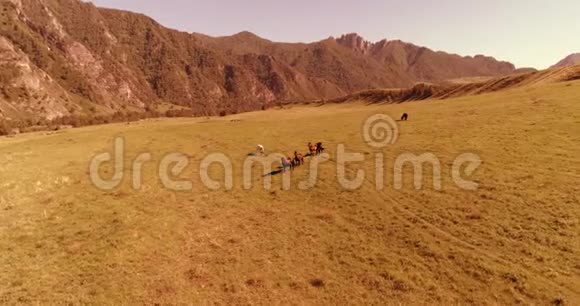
67	57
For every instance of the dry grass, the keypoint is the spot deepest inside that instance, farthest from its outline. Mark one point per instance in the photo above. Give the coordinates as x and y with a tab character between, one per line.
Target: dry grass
514	240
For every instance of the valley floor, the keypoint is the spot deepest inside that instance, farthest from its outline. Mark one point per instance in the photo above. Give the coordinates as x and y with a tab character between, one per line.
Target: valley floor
513	240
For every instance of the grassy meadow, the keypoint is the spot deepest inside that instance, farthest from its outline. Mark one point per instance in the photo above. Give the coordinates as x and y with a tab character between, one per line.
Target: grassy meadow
513	240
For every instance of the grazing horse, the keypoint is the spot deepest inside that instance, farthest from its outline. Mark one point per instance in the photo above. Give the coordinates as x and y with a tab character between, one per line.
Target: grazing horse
405	117
319	148
286	163
298	159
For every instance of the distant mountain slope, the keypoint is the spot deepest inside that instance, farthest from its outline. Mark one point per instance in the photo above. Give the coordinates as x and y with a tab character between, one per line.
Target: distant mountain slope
66	57
457	89
424	64
570	60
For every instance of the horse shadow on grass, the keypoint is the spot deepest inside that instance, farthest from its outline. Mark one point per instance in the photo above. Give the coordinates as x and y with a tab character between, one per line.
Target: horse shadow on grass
273	173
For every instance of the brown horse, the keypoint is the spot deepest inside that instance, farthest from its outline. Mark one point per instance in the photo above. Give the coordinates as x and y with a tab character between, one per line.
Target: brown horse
312	148
286	164
298	159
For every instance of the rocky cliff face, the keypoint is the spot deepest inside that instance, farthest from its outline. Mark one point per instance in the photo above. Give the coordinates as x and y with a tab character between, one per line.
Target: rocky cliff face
423	64
356	43
66	57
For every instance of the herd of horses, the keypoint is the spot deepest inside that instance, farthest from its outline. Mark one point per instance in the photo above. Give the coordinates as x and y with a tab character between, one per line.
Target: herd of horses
289	163
298	160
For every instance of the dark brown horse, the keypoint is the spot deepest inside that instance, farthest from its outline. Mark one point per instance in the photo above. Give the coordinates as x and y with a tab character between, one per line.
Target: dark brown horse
298	159
319	148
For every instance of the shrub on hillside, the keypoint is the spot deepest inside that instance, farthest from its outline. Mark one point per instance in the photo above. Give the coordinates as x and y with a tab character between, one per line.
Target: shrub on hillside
5	128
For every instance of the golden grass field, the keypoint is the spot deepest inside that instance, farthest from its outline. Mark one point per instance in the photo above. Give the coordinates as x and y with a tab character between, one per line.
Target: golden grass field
514	240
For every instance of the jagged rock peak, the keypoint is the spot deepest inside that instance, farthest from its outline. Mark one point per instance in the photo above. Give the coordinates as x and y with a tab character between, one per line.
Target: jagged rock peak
355	42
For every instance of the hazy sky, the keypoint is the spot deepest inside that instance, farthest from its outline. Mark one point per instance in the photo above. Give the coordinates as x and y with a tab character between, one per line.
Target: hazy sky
525	32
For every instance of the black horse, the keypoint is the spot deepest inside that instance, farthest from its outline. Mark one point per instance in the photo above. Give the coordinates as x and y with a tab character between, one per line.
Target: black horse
405	117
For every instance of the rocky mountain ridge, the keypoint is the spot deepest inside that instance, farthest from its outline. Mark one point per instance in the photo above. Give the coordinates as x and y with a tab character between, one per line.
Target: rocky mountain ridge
66	57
